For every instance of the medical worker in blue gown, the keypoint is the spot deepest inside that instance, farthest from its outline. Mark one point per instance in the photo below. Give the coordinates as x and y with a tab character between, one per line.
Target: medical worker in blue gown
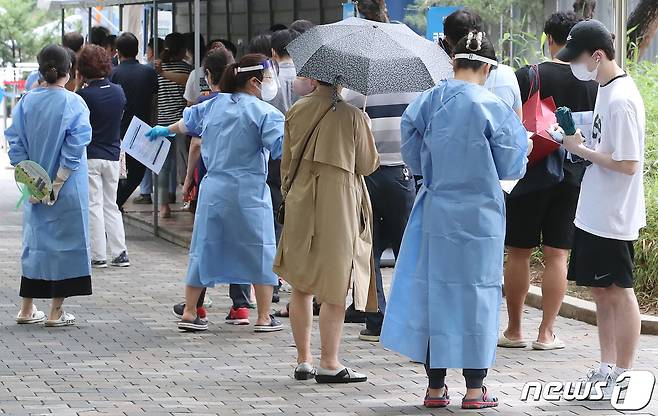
50	126
233	238
446	291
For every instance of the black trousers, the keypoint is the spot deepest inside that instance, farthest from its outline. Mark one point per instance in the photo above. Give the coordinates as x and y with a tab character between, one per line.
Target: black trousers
392	193
437	376
135	175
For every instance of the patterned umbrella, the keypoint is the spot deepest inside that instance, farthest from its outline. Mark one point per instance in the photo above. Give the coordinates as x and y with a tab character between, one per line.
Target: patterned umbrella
370	57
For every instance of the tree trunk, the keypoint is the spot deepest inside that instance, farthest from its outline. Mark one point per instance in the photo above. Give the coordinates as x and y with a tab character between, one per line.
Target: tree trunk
373	10
642	25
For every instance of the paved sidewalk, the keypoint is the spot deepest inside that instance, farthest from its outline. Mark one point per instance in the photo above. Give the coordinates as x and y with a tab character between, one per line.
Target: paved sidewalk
126	357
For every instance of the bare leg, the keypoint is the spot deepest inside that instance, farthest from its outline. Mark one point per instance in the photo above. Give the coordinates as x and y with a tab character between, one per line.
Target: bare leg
605	323
264	303
26	307
627	325
301	322
331	329
165	210
553	288
191	298
56	309
517	283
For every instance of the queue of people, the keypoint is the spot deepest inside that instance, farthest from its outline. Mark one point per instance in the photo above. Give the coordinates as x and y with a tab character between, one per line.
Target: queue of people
300	180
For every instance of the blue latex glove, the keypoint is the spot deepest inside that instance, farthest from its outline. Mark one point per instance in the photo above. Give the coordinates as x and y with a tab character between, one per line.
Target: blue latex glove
159	131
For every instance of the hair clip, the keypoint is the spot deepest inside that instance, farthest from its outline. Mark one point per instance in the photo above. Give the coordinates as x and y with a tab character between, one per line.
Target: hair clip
479	36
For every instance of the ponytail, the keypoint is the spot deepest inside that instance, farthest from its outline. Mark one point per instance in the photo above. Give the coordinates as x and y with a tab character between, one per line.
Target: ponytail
54	63
473	51
233	80
216	62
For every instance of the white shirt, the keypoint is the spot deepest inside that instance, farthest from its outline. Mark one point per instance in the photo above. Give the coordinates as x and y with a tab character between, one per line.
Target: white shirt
193	85
385	112
502	82
611	204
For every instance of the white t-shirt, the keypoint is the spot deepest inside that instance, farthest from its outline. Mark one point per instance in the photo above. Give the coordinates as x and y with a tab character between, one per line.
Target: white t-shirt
502	82
611	204
196	84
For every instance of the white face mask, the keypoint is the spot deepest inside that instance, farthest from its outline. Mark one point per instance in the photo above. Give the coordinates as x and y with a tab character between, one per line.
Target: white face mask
268	89
580	71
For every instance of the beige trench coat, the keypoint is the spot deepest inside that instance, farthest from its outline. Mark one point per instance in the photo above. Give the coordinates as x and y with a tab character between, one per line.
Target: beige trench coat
326	242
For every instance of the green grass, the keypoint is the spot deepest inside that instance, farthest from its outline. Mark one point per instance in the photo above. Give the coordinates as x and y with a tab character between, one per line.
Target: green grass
646	256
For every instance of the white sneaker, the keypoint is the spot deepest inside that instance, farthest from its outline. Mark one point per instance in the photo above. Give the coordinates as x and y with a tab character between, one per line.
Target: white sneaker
35	317
207	302
596	376
65	319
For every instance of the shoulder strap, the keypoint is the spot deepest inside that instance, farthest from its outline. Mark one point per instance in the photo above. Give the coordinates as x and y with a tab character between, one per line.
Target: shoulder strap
533	74
291	178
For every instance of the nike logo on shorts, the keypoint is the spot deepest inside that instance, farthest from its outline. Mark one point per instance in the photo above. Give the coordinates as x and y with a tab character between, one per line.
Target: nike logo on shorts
603	276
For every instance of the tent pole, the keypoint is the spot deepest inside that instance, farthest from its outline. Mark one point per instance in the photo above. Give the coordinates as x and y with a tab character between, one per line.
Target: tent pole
249	8
121	18
271	10
621	10
89	26
197	36
63	30
228	19
208	20
322	17
156	208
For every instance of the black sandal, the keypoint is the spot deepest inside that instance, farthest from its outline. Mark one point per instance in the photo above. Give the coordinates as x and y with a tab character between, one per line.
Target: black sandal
482	402
283	313
346	375
193	326
305	371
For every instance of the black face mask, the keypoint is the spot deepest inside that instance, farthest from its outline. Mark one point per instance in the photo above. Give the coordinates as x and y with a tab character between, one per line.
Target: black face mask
444	45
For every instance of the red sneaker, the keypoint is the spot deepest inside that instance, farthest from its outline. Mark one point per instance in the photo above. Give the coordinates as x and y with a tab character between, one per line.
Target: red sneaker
201	313
239	316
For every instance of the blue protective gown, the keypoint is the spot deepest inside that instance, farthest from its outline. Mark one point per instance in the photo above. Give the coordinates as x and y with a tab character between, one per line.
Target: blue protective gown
50	126
446	290
233	238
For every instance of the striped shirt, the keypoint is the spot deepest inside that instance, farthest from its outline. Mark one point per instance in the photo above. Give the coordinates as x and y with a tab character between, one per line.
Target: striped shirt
385	111
171	102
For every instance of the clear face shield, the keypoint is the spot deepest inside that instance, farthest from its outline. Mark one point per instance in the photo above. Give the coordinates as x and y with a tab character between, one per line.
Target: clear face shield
269	86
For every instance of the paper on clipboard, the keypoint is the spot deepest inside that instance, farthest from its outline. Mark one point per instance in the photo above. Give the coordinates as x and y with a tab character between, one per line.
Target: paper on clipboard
151	154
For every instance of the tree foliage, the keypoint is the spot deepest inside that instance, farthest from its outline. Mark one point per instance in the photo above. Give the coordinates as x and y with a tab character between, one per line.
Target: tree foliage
19	39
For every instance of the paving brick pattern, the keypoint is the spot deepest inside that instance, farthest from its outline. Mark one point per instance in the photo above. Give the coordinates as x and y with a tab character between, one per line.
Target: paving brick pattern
125	357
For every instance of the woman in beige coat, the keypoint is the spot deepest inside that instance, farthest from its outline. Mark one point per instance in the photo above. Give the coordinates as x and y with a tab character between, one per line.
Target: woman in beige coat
326	242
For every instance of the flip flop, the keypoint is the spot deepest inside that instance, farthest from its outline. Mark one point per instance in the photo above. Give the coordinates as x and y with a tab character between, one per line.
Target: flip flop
273	326
193	326
346	375
556	344
505	342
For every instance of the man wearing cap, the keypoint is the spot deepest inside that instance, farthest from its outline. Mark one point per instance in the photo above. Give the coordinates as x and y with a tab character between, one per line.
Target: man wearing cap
611	208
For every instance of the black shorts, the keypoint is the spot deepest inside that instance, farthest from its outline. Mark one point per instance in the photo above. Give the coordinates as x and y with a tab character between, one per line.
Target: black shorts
542	218
600	262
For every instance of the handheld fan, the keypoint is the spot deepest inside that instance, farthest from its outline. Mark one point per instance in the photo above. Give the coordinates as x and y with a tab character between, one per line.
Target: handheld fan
32	180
